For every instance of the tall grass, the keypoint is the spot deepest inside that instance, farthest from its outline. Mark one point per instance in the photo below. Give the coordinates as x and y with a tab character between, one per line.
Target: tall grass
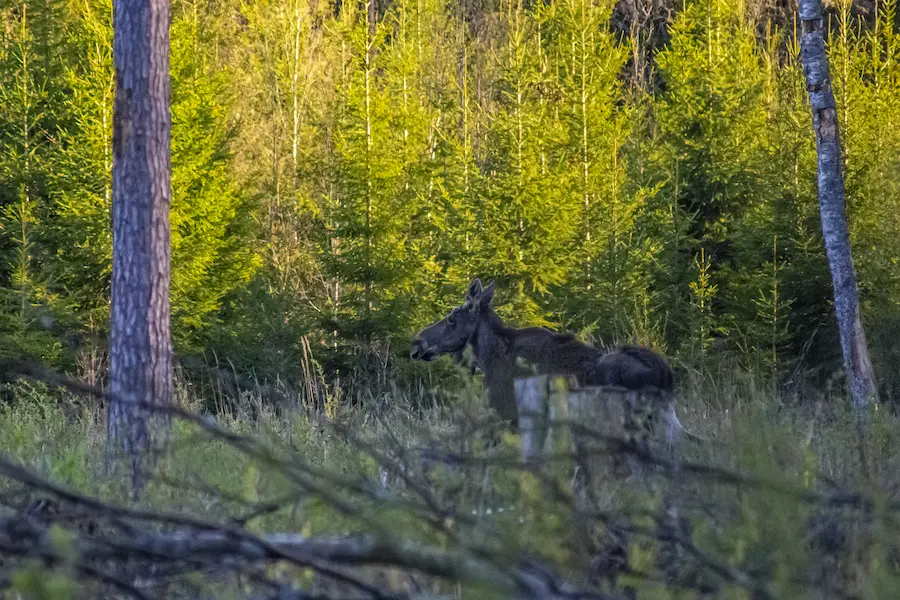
359	469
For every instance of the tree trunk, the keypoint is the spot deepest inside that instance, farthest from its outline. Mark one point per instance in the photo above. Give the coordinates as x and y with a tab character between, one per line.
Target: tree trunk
831	206
140	341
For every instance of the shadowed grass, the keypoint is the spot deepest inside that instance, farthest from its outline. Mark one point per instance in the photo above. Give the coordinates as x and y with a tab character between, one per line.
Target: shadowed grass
362	471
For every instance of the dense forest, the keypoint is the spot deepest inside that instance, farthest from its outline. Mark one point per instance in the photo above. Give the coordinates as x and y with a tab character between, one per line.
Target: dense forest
339	176
641	170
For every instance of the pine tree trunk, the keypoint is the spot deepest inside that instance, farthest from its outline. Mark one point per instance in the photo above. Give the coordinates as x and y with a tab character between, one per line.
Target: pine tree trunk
831	206
140	341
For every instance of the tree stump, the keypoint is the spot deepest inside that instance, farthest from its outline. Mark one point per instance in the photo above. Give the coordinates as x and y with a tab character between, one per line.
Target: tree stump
600	412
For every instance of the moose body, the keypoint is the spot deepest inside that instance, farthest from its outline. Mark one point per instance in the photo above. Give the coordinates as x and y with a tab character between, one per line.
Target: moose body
496	349
631	367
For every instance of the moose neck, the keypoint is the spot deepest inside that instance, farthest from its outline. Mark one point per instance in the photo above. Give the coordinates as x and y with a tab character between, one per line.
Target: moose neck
498	347
490	342
491	346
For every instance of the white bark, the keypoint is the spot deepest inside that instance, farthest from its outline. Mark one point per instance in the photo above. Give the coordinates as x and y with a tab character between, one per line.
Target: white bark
831	206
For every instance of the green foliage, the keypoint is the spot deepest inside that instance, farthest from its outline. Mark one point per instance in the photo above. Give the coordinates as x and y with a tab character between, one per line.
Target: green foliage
524	220
28	118
376	188
757	529
338	178
713	121
59	123
213	236
35	583
866	79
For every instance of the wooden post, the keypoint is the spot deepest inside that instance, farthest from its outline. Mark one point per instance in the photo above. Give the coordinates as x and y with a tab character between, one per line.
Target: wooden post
607	411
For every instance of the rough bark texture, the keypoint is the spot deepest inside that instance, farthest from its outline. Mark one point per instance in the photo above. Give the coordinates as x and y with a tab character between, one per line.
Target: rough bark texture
831	206
140	341
531	397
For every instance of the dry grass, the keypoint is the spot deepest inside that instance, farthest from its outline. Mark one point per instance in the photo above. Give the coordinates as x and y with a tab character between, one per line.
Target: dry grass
778	478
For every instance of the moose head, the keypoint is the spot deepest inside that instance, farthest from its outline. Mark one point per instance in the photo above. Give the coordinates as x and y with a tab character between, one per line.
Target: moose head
451	334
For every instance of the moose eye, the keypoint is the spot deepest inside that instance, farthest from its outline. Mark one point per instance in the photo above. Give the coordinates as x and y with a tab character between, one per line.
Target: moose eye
451	320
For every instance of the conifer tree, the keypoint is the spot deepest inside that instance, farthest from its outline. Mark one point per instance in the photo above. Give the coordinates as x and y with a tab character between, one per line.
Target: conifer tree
447	235
141	369
606	284
525	219
80	237
213	233
211	222
377	175
782	263
31	93
712	118
866	84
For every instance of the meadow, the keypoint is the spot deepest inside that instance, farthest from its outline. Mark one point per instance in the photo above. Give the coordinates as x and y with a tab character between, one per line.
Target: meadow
777	505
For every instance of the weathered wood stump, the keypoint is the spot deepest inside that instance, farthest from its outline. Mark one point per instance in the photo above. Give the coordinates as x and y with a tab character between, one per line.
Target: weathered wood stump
600	412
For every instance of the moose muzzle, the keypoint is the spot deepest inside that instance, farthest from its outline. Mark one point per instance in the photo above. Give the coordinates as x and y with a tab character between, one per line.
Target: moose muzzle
420	350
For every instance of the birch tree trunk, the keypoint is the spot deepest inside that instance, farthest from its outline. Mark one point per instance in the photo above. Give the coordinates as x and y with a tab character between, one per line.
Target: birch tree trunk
140	341
831	206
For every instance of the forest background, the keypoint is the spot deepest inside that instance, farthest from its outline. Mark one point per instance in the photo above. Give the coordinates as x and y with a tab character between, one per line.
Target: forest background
641	170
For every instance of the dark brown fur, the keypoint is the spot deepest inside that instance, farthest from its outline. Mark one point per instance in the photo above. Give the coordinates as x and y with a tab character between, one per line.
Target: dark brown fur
631	367
496	348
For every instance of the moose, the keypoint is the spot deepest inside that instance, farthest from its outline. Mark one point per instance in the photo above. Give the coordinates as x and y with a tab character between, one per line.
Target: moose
496	349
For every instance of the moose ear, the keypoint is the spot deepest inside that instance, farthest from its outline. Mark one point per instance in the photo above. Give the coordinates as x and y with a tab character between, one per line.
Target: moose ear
487	294
473	294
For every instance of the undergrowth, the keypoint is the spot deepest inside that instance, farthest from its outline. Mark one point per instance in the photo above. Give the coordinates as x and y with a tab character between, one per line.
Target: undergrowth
771	469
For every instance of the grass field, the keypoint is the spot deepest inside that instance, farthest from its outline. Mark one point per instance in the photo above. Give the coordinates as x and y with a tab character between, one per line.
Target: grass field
777	505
